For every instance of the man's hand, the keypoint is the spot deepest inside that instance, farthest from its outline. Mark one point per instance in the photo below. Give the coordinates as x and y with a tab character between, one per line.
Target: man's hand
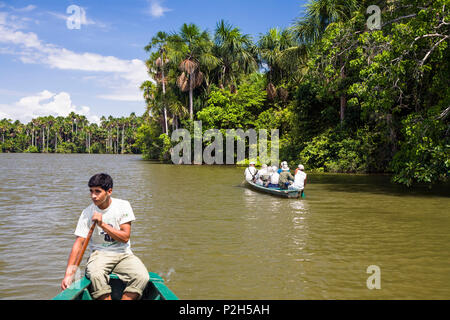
98	218
66	282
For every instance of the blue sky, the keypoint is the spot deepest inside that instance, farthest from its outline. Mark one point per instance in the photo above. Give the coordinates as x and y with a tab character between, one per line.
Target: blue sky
96	69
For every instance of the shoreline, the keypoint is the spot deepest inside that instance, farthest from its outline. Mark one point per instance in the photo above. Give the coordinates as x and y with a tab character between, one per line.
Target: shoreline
312	172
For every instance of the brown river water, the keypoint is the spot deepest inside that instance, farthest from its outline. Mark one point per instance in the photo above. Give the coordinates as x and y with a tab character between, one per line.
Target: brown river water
211	238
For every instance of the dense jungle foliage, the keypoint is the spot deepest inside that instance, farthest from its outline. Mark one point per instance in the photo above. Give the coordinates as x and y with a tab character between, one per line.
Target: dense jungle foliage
349	90
352	86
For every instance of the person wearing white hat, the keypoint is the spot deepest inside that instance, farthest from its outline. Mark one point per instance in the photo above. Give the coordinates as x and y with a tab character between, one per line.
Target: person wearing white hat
300	178
283	164
285	176
250	172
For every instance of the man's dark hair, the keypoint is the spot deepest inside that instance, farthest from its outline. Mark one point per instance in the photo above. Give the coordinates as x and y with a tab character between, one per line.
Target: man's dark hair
101	180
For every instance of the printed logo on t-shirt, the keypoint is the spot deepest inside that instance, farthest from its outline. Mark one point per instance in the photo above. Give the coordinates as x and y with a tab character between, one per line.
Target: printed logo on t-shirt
107	238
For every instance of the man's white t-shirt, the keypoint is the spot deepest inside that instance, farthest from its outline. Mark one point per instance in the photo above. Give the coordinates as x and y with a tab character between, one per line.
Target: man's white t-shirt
299	180
249	173
274	178
261	173
118	212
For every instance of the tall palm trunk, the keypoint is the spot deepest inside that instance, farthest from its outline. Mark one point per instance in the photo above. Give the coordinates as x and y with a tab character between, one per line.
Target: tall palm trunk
343	107
343	98
43	139
117	141
191	94
164	94
48	137
108	145
122	139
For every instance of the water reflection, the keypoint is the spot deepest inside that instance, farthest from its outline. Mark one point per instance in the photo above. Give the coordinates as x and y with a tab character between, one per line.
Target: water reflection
299	205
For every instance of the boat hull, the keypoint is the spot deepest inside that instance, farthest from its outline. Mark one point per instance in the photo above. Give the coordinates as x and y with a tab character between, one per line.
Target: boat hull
275	192
155	290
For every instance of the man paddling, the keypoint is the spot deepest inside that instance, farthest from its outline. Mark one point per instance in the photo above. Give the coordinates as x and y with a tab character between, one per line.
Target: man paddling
109	245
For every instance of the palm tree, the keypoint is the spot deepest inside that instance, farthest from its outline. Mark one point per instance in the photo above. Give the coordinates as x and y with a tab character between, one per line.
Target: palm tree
310	28
122	123
3	129
104	124
177	109
190	50
319	14
235	52
40	136
50	122
280	55
160	41
155	104
59	130
110	126
87	137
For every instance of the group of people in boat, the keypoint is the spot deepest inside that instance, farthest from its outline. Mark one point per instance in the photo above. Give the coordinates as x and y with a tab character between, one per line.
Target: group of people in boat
274	177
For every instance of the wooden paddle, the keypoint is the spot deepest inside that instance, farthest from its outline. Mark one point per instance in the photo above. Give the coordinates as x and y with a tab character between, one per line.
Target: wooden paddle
85	244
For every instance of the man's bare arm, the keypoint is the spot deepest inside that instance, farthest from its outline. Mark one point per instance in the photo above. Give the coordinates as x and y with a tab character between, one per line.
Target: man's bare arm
122	235
71	268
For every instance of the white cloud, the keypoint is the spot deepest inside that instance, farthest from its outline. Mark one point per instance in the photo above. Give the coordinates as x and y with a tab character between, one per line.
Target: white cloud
28	8
16	22
121	97
4	115
123	76
120	77
29	40
156	9
44	103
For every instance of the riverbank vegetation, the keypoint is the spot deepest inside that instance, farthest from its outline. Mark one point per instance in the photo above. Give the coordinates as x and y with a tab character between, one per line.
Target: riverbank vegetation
71	134
346	96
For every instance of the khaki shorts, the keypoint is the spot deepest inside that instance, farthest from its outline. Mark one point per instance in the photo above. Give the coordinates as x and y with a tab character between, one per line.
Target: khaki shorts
126	266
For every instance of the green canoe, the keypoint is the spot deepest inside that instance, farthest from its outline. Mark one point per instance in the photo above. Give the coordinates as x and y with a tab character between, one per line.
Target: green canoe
155	290
289	193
